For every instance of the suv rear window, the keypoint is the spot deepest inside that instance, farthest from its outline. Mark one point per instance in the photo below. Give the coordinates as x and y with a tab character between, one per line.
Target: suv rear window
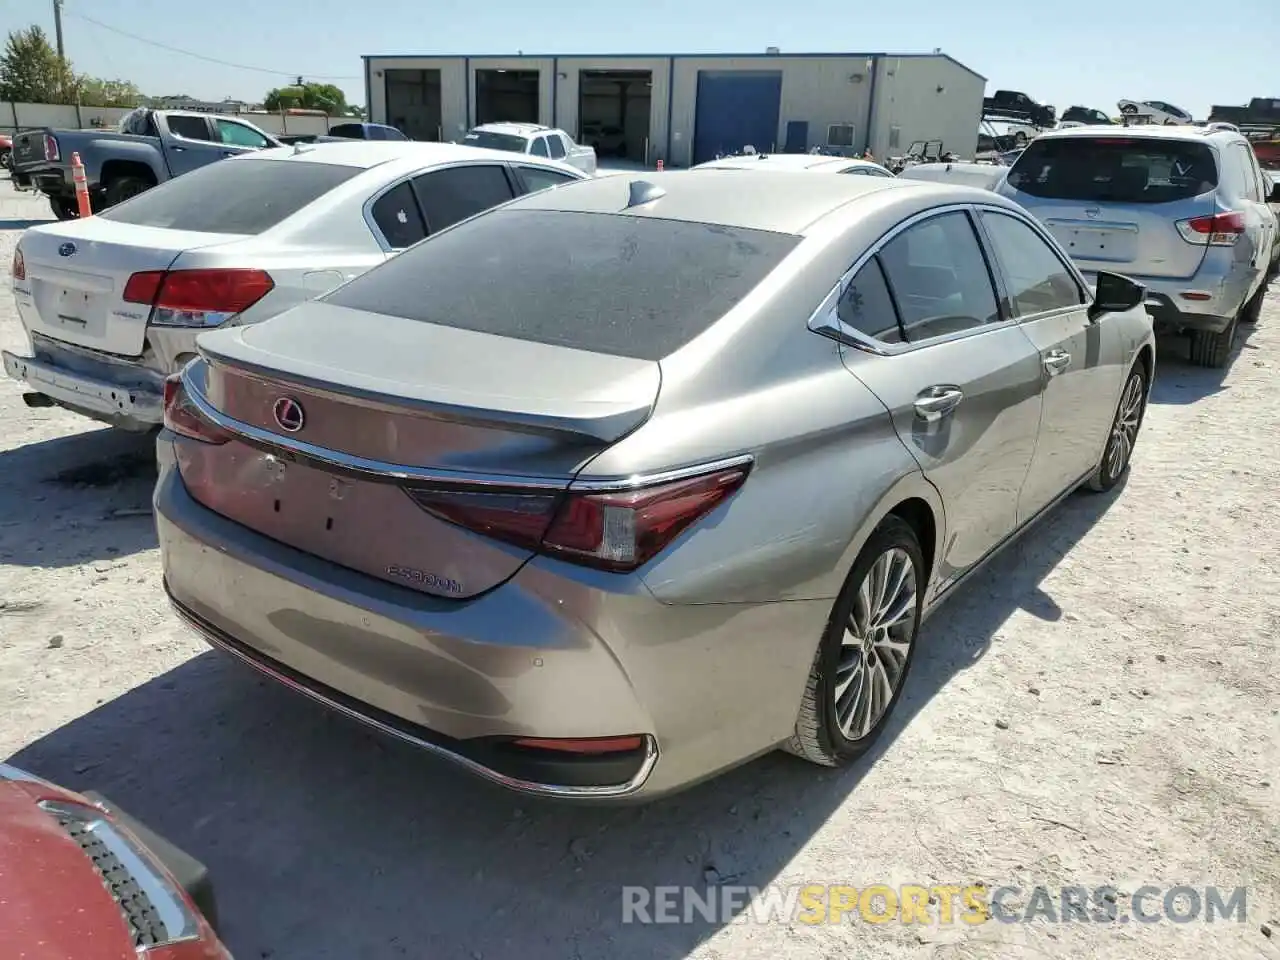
628	286
248	196
1116	169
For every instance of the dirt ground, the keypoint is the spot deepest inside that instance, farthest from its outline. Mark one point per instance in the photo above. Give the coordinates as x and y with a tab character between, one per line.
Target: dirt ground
1099	708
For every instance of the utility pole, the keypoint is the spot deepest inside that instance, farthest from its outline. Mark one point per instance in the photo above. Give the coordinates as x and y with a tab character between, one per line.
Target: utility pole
57	29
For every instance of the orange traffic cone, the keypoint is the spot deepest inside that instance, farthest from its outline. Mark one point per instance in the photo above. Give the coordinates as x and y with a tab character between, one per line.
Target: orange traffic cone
82	186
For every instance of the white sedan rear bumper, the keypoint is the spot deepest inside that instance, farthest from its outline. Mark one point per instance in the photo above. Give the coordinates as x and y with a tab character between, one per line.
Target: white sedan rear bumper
109	396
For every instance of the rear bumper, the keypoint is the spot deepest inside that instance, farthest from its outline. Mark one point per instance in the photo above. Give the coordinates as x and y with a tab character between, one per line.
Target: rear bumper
1210	300
52	181
546	654
117	391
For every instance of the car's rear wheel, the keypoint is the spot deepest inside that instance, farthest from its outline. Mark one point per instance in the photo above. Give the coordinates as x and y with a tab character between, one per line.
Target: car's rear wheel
1253	309
1129	108
63	208
866	652
1209	349
1124	431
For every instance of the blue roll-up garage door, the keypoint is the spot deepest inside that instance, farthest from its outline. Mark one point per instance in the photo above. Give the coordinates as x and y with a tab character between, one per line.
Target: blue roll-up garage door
736	108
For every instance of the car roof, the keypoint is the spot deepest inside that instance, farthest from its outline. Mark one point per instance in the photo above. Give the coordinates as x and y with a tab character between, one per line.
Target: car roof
780	201
521	129
1184	132
785	161
406	154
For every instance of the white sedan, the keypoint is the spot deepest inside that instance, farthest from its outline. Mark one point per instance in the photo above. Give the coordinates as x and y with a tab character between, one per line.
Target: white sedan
534	140
112	304
803	162
1156	111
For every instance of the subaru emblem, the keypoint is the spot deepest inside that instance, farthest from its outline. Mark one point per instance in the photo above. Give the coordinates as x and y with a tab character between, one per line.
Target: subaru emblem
1092	213
288	414
68	249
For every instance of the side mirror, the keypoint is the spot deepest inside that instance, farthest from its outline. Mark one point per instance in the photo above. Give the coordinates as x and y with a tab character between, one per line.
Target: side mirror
1114	293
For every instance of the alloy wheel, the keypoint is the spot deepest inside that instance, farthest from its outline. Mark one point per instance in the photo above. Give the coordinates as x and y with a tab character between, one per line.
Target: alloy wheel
876	645
1124	433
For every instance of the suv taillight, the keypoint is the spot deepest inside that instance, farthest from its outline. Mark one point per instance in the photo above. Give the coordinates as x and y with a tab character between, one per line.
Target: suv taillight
615	530
19	265
1218	230
182	416
197	298
51	148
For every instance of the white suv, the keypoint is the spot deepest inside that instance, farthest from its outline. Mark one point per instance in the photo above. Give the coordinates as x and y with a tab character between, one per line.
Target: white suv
1182	210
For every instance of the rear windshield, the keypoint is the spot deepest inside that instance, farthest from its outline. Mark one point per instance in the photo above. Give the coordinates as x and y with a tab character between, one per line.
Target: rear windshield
232	196
1116	169
608	283
495	141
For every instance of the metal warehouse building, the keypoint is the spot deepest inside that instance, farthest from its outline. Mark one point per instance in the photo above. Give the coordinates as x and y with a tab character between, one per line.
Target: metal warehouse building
686	108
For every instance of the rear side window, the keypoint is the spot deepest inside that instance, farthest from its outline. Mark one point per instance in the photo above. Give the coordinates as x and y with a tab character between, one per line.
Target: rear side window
397	216
193	128
253	195
866	306
1115	169
354	131
608	283
938	277
456	193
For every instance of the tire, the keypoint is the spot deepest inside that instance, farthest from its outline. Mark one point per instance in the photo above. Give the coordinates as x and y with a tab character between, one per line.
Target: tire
1129	109
122	188
63	208
819	737
1123	435
1020	138
1253	309
1213	350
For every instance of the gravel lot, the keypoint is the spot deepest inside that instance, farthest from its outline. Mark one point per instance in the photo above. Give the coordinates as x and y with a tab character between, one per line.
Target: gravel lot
1099	707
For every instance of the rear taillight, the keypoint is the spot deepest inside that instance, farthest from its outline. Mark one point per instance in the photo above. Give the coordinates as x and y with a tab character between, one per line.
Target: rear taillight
197	298
51	148
182	416
616	530
19	265
1218	230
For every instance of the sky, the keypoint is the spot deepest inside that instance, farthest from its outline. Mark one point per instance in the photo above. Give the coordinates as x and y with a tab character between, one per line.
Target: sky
1088	52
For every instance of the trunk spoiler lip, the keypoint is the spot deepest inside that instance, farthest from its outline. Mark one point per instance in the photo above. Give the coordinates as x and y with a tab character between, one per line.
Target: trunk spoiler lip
610	421
386	472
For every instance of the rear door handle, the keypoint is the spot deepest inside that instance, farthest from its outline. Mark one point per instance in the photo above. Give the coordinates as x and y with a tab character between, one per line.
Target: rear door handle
1055	361
937	402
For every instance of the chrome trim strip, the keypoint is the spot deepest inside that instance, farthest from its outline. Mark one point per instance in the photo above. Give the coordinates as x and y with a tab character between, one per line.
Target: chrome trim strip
213	637
179	923
380	469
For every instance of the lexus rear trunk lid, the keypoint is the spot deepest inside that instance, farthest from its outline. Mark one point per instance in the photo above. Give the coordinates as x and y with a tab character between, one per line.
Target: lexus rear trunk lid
76	273
1113	202
338	417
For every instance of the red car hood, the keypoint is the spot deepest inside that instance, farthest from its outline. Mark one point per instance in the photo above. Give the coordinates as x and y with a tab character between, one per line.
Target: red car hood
53	903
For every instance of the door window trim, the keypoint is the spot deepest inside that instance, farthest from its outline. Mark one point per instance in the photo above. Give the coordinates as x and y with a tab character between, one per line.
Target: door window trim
993	262
826	321
513	183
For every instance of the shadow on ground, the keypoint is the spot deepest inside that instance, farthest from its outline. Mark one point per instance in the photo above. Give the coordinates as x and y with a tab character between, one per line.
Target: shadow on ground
1179	382
21	224
327	840
77	498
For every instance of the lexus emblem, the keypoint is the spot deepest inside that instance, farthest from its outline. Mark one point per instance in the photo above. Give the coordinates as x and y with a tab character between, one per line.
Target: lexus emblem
288	414
67	250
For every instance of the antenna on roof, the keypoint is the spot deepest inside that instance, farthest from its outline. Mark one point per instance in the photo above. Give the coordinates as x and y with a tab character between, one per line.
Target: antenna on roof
642	192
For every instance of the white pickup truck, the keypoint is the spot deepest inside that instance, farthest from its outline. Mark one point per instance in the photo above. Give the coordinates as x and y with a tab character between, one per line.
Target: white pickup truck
533	139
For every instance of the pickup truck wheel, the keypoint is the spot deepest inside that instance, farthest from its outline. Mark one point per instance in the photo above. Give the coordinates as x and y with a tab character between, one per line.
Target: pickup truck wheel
122	188
63	208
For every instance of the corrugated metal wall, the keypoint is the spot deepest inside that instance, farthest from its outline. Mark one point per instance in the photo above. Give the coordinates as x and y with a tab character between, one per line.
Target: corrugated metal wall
926	98
817	90
820	90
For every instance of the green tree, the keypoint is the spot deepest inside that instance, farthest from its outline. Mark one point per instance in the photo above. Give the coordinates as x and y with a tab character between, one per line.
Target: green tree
307	96
97	92
32	72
